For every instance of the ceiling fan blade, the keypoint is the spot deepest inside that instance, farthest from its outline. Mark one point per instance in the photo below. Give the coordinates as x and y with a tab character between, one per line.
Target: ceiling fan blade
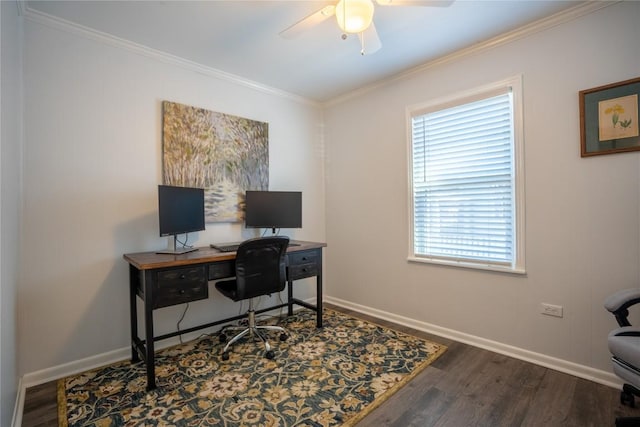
305	23
433	3
369	40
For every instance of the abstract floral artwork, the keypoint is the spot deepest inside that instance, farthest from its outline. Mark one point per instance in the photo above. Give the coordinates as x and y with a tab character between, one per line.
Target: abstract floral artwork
224	154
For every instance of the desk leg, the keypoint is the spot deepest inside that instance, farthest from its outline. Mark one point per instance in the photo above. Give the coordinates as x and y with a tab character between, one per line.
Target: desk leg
290	298
319	300
147	284
134	275
319	294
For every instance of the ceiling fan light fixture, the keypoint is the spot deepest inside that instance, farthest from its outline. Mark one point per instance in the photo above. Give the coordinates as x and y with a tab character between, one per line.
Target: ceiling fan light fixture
354	16
328	10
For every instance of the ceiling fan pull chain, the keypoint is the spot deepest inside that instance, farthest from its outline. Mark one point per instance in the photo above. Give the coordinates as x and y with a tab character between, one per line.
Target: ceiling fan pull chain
362	43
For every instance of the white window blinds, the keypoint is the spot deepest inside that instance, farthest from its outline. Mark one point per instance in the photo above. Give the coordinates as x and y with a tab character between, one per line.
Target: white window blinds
463	181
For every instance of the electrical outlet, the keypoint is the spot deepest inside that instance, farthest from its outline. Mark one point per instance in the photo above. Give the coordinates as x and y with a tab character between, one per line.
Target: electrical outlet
551	309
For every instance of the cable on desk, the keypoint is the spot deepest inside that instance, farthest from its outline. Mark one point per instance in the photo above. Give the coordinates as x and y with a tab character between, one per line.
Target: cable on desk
180	321
186	240
281	302
266	229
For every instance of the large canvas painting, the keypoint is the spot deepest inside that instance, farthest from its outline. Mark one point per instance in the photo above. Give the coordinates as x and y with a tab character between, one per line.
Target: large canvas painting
224	154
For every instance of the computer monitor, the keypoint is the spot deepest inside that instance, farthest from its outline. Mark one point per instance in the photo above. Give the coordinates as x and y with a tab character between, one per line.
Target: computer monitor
180	211
273	209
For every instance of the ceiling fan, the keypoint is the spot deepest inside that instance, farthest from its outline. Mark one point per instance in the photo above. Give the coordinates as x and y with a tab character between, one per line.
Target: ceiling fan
355	17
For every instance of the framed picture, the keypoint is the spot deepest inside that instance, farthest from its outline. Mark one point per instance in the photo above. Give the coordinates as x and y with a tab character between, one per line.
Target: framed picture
224	154
609	119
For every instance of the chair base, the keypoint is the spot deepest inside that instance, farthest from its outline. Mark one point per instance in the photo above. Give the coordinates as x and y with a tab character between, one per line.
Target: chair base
628	422
252	330
627	395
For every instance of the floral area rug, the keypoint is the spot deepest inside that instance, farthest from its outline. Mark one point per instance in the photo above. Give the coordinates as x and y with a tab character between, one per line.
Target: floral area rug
330	376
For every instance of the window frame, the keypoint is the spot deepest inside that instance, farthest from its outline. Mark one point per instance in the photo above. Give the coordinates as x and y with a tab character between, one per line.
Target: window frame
514	85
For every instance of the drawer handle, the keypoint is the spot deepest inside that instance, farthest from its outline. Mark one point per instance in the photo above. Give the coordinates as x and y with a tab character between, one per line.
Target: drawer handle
304	258
304	270
182	276
181	291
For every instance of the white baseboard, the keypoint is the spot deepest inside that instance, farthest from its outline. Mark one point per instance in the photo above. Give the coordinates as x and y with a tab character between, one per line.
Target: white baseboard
75	367
577	370
110	357
571	368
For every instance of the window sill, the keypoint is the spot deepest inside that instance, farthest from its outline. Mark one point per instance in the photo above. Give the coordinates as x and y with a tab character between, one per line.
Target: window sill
470	265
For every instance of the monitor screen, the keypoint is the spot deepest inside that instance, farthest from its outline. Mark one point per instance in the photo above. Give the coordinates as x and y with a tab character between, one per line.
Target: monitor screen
273	209
180	209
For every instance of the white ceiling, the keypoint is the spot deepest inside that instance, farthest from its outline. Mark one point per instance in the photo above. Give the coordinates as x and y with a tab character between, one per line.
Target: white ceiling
241	37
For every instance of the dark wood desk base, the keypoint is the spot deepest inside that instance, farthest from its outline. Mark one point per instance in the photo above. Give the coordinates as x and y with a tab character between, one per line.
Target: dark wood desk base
163	280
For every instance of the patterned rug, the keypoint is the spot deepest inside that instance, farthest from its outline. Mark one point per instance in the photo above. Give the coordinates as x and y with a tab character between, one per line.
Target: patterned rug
332	376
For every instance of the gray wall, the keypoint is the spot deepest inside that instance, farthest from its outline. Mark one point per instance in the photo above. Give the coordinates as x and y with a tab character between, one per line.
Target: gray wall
10	135
582	214
92	163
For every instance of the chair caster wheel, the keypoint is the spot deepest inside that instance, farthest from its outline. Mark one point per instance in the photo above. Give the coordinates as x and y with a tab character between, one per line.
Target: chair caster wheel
225	355
283	337
270	354
222	337
627	399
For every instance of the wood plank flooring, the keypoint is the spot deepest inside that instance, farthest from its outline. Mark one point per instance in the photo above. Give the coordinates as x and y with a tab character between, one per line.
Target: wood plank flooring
466	386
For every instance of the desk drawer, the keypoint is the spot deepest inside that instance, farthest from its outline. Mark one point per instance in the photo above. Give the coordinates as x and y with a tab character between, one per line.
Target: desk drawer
222	270
180	285
296	272
303	264
303	257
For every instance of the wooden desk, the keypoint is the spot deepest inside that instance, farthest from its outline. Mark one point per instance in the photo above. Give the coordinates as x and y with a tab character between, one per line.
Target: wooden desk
162	280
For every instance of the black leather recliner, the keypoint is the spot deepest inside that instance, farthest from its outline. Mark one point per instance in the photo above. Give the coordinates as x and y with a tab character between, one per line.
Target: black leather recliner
624	345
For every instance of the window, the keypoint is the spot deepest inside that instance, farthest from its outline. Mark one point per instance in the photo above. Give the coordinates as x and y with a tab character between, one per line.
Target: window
466	179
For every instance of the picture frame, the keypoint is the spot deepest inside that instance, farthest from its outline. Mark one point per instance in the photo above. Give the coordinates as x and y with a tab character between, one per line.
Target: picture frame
226	155
609	118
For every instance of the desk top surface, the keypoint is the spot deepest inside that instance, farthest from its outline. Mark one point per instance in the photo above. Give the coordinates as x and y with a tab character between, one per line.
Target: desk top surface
151	260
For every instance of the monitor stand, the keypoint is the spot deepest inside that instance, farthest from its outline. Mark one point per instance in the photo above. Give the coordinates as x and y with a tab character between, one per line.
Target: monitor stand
176	251
273	234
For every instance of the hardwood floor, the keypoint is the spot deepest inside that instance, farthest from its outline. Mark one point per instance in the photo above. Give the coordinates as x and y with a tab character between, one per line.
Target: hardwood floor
466	386
41	406
469	386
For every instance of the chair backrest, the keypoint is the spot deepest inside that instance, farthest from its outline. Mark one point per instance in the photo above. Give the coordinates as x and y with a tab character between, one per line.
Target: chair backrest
261	266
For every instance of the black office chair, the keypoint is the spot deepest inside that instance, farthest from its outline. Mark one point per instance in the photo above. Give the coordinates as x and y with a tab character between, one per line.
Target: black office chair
624	345
260	270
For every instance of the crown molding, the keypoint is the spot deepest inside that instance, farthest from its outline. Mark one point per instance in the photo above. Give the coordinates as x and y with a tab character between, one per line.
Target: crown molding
541	25
111	40
535	27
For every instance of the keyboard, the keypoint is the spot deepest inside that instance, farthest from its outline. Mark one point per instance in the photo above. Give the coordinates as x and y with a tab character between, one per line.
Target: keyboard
226	247
233	247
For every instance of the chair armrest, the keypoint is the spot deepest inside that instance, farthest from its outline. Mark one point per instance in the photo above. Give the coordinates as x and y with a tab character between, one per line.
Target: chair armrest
619	302
625	331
